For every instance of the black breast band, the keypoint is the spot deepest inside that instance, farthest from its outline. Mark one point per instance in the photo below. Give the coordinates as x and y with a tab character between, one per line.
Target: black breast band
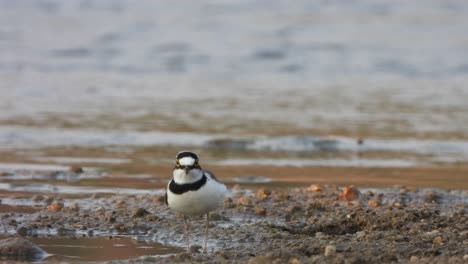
183	188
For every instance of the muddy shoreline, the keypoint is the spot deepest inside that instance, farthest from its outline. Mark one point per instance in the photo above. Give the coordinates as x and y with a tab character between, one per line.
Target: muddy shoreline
296	225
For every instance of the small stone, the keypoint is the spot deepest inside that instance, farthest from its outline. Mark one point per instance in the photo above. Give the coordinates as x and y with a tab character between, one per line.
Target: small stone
195	249
350	193
161	199
320	235
374	203
293	209
75	207
243	201
283	196
56	207
438	241
16	248
22	231
120	227
360	141
330	250
431	234
260	211
214	216
414	259
152	218
295	261
100	210
262	194
360	234
316	188
121	203
37	198
431	197
140	212
76	169
229	203
49	199
465	257
110	219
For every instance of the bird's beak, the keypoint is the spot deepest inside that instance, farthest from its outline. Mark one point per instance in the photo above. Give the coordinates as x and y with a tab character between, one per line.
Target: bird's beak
187	169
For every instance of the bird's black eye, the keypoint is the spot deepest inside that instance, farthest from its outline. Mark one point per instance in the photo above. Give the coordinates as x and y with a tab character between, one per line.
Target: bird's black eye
196	163
177	163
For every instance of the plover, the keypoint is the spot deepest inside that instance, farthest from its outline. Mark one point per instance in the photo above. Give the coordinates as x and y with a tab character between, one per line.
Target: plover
193	191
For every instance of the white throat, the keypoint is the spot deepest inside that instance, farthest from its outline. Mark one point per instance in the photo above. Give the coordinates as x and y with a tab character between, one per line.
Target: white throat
181	177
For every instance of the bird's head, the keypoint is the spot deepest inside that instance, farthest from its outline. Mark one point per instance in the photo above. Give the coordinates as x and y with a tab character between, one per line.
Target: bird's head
186	161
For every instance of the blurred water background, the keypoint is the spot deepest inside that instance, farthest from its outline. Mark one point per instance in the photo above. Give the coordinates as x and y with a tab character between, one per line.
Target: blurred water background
271	76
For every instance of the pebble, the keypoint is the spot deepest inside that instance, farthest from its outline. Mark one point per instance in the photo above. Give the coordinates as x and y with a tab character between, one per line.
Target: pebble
140	212
121	203
295	261
374	203
431	197
465	257
320	235
293	209
243	201
56	207
360	234
110	219
152	218
229	203
316	188
76	169
260	211
350	193
75	207
37	198
49	199
100	210
438	241
414	259
22	231
330	250
263	194
431	234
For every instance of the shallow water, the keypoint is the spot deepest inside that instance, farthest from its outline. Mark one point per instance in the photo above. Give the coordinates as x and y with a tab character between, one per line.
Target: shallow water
238	76
387	69
98	249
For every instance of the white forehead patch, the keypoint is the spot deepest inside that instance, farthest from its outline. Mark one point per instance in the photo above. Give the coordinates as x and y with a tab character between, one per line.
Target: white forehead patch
187	161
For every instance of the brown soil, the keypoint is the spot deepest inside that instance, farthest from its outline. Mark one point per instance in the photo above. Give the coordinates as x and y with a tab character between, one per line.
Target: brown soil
305	225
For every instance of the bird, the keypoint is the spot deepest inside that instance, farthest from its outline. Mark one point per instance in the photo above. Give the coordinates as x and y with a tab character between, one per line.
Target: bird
193	191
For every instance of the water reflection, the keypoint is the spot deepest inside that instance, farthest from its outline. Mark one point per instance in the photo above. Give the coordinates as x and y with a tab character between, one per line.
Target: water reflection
99	249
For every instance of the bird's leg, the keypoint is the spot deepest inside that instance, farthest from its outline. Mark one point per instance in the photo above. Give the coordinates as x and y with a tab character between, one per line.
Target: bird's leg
186	231
206	232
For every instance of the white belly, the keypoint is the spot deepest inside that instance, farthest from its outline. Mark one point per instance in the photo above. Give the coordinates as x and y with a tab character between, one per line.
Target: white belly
209	197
